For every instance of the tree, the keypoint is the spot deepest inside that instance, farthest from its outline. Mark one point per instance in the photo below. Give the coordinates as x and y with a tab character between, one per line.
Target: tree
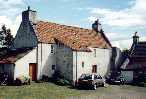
6	38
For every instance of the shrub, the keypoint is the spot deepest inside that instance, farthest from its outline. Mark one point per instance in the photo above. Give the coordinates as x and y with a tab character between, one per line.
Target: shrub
45	78
62	82
144	84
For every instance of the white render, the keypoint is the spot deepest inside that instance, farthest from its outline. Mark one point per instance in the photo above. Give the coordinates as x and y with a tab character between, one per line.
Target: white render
45	60
22	65
102	60
127	75
64	60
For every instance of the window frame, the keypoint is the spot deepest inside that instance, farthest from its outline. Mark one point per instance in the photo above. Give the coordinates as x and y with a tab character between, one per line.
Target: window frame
52	49
94	52
83	64
53	67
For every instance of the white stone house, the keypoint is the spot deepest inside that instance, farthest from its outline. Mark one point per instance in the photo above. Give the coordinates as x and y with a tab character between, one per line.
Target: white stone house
69	50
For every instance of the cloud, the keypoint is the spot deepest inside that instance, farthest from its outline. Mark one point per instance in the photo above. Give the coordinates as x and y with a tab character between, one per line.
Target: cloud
129	17
125	43
15	25
117	36
132	17
5	20
122	44
119	40
10	14
92	19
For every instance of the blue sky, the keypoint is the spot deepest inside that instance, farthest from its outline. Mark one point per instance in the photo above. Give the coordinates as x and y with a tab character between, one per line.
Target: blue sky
119	18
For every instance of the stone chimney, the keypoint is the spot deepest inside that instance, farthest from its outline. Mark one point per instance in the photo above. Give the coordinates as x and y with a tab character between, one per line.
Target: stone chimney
96	26
135	38
29	16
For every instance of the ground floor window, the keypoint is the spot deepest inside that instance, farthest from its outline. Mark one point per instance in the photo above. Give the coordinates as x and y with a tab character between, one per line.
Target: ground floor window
94	69
52	49
82	64
53	67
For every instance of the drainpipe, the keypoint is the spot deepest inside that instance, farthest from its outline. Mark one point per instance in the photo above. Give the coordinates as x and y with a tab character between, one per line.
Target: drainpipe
76	69
41	60
37	60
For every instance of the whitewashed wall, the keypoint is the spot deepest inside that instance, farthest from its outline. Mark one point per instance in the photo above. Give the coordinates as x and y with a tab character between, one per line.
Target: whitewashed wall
45	60
22	65
102	60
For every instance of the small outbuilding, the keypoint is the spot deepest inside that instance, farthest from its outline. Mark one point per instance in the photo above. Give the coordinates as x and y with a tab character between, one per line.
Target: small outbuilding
19	62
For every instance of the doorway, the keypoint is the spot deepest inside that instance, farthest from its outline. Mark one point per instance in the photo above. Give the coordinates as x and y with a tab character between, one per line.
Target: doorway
33	71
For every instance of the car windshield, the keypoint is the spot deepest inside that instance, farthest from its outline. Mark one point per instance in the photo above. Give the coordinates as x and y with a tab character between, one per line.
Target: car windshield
86	77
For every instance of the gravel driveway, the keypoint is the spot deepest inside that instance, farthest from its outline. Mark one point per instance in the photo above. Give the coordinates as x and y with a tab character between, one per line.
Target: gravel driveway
114	92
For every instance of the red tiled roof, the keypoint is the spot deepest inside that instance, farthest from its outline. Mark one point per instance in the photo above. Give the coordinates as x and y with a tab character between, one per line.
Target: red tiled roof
73	37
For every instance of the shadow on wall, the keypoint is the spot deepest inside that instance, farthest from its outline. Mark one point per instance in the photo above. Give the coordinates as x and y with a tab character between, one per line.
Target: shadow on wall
47	69
109	66
115	63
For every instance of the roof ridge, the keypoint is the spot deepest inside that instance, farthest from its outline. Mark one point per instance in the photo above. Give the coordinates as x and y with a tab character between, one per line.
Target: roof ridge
66	25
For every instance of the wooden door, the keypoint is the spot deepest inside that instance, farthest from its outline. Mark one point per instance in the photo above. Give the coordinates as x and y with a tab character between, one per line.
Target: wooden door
94	69
32	71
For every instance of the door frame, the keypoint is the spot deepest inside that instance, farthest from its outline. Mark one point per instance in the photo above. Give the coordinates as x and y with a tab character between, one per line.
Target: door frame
35	65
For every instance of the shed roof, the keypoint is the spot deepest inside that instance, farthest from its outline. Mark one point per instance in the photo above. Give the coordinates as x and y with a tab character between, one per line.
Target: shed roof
13	55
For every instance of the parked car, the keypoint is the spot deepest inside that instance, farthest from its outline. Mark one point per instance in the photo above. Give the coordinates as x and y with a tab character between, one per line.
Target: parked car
90	81
116	80
23	80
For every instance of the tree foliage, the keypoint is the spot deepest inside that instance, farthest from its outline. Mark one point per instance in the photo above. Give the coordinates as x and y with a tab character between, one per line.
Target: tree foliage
6	37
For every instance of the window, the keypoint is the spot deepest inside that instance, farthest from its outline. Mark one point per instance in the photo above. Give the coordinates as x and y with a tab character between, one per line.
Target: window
53	67
94	69
94	52
83	64
52	49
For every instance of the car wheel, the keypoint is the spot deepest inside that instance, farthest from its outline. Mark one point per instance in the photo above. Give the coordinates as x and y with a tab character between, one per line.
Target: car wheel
102	85
94	87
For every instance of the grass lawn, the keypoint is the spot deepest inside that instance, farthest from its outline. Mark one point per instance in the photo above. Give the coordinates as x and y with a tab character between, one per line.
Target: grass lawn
39	91
52	91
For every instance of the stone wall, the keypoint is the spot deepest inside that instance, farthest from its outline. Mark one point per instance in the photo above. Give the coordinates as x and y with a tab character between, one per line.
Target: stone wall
64	61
